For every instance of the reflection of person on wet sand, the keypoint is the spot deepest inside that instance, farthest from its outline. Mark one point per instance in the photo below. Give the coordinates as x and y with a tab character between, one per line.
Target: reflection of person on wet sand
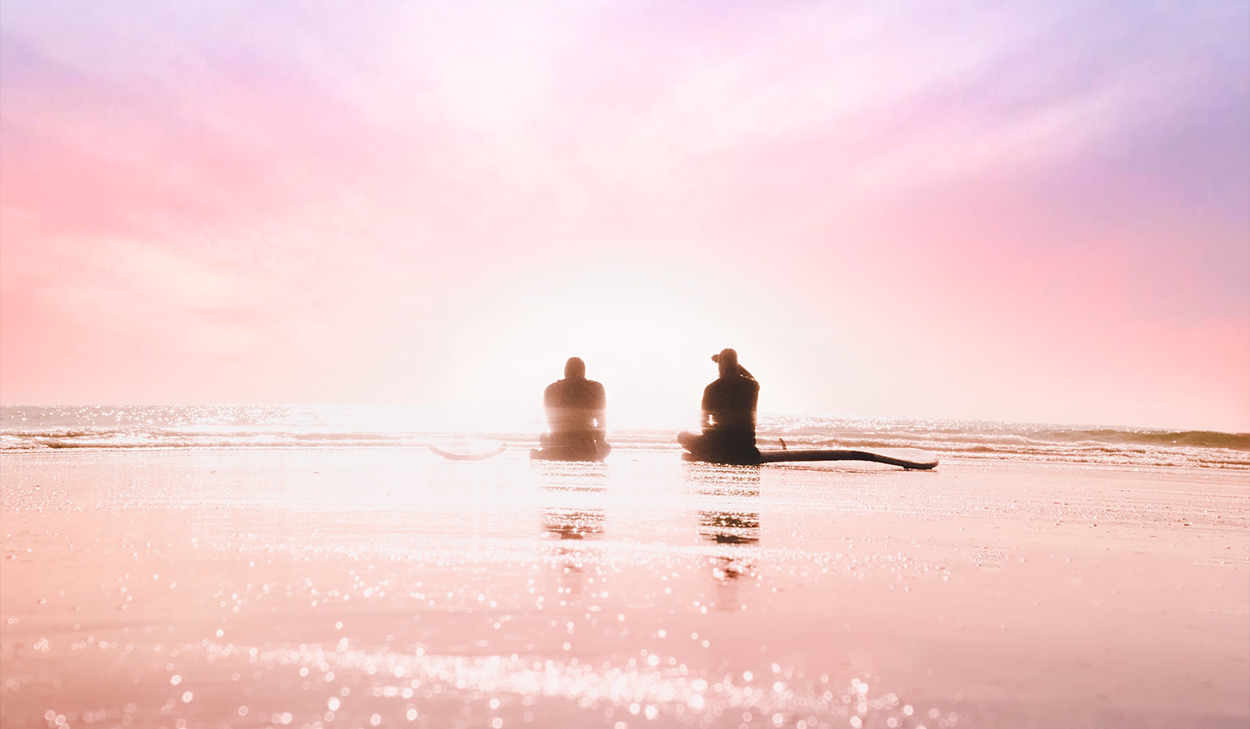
568	523
728	416
729	527
734	529
729	519
576	416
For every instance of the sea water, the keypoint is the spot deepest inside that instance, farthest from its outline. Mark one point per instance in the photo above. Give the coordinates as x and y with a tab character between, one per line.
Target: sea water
305	566
329	426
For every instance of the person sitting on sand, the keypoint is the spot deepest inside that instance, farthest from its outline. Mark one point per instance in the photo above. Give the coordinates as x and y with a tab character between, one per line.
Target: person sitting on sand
576	416
728	416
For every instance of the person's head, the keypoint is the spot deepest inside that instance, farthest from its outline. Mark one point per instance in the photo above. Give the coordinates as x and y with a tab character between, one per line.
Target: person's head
728	361
575	369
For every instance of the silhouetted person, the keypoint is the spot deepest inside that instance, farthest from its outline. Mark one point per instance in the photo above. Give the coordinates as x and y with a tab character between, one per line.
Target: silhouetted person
576	416
728	416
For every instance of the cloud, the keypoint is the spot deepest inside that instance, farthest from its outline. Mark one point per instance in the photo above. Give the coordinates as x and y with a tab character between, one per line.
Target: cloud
331	183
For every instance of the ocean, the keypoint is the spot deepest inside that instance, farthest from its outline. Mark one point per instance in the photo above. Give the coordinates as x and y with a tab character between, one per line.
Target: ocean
332	426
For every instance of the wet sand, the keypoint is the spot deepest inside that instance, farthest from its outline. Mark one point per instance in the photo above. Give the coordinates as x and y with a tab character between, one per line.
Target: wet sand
358	588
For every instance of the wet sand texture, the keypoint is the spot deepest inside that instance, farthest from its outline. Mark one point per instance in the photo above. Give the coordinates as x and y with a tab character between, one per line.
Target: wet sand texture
360	588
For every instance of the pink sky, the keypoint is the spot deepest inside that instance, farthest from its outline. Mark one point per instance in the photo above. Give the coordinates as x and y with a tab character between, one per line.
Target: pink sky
963	210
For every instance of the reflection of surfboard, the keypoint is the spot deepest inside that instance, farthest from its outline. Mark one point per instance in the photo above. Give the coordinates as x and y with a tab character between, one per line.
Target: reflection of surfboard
467	456
911	458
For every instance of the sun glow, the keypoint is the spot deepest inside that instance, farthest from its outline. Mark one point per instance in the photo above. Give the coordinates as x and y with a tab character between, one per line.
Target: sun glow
215	203
645	332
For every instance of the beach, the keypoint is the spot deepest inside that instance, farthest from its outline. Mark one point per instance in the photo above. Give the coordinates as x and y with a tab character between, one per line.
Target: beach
385	586
307	310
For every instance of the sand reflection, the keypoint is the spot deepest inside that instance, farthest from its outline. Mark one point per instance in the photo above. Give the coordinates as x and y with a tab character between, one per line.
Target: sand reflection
729	517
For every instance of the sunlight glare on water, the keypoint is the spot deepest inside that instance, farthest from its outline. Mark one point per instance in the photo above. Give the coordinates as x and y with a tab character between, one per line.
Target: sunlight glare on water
388	587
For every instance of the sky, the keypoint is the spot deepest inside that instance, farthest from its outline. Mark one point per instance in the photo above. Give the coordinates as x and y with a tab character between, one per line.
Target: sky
964	209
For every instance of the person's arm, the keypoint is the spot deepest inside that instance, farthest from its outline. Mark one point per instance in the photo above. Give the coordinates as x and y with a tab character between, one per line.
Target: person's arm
706	421
549	396
601	410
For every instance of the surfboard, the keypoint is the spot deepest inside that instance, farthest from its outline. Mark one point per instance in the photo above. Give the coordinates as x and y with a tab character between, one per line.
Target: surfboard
910	458
467	456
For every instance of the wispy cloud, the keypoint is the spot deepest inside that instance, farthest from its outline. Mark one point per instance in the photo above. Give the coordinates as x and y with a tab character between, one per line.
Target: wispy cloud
269	181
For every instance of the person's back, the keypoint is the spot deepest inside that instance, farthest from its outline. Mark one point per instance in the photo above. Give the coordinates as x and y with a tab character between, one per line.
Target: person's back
574	405
576	417
729	404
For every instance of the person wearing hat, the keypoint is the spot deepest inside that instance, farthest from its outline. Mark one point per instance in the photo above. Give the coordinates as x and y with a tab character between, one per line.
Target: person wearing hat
728	416
576	417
